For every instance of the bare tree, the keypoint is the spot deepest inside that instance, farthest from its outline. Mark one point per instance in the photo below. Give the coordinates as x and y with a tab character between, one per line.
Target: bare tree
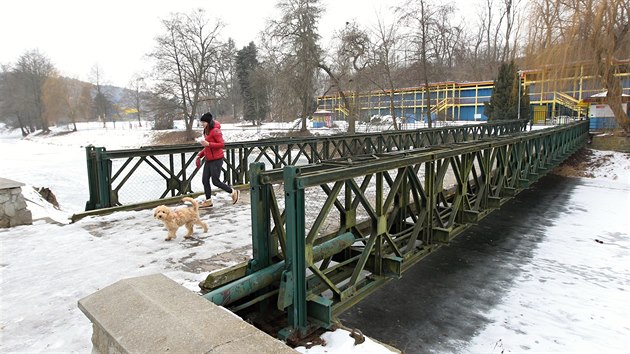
27	80
295	40
14	110
55	100
184	54
493	40
222	80
349	62
593	34
509	6
373	58
78	101
163	110
135	96
284	103
443	40
419	15
102	104
140	86
548	21
492	29
384	62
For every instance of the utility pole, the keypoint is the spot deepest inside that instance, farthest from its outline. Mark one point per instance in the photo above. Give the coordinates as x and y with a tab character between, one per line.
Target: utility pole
138	99
518	115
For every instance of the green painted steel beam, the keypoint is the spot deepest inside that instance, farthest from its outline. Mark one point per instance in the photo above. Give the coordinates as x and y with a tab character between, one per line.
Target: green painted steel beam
251	283
411	157
109	182
296	249
487	174
264	247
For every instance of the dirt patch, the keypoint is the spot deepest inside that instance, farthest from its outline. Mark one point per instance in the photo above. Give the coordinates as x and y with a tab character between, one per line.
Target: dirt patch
63	133
179	137
576	165
294	134
170	138
582	164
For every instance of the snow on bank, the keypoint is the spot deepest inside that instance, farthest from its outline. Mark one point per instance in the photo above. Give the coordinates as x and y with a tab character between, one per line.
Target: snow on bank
611	165
340	341
45	268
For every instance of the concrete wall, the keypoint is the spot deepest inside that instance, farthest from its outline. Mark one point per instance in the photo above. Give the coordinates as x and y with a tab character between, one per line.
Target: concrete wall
153	314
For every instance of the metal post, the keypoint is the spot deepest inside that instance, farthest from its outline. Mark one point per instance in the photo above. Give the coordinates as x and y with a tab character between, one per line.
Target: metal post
296	249
263	245
240	288
92	170
103	175
519	95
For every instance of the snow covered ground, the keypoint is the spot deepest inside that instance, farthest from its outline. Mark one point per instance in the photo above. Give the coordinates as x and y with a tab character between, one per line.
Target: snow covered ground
45	268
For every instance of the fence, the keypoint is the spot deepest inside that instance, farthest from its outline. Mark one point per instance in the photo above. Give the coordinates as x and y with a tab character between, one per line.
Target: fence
326	235
129	176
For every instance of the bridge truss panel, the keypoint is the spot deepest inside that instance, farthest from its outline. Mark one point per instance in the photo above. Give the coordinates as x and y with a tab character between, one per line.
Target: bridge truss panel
130	176
339	229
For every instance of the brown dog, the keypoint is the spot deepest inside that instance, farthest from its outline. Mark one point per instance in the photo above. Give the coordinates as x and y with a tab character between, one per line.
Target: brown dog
174	218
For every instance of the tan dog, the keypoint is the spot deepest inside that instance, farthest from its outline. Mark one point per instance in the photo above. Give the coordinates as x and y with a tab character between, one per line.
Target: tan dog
174	218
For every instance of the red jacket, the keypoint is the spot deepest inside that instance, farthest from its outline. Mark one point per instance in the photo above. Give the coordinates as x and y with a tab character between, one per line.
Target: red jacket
214	151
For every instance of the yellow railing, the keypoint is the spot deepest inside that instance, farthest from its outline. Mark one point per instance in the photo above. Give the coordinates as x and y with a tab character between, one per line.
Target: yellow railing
570	102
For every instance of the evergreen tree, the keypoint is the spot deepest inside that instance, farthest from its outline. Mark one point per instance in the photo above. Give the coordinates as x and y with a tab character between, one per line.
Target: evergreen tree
525	107
102	106
504	101
253	91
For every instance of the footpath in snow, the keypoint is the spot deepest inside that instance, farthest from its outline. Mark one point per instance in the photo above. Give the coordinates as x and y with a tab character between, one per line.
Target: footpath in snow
45	268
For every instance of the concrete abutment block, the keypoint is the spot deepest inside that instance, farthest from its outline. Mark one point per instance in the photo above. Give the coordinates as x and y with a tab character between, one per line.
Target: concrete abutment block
154	314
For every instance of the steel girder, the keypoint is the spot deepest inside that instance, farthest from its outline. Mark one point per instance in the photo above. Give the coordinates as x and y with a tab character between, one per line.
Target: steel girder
399	207
120	177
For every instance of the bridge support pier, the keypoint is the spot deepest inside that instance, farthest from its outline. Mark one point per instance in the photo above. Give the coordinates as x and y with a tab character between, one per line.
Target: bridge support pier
154	314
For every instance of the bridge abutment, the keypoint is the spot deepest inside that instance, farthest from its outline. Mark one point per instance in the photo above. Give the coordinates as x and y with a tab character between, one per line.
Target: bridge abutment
154	314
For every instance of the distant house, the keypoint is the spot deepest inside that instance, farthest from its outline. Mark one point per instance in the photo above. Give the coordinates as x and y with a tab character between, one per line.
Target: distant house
600	114
322	118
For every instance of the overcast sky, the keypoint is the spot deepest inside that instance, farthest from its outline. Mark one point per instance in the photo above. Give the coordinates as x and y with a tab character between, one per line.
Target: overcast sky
116	34
77	34
566	293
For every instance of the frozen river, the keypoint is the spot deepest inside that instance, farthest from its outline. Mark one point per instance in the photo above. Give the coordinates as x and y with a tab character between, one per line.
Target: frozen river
546	273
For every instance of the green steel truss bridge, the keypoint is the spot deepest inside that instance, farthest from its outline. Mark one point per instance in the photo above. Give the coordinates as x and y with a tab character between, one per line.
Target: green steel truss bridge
327	233
133	176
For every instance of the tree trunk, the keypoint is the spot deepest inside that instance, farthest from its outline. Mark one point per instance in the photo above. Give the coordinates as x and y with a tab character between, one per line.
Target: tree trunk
613	97
427	99
24	132
189	132
344	98
303	126
392	109
305	101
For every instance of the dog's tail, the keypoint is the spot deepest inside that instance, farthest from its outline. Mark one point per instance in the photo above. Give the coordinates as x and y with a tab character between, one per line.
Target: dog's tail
191	201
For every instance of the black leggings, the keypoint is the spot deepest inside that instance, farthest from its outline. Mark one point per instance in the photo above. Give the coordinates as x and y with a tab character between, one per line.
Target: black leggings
213	169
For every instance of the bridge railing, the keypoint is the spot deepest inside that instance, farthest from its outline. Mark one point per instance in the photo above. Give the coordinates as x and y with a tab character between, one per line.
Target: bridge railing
326	235
121	177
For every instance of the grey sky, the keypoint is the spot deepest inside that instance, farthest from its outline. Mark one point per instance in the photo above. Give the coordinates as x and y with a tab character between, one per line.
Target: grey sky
116	34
